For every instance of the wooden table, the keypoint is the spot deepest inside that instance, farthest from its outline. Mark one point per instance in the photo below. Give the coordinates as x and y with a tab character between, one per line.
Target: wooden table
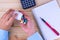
16	33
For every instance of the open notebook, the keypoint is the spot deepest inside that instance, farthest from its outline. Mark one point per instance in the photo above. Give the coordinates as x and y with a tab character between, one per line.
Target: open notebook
51	13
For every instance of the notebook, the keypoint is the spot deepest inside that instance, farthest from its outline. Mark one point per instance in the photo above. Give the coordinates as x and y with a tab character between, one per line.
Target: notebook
51	13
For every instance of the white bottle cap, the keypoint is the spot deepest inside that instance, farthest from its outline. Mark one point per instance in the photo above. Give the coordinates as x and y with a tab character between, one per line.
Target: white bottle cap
19	16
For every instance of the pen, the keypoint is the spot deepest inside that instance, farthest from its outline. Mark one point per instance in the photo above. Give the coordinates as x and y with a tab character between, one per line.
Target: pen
50	26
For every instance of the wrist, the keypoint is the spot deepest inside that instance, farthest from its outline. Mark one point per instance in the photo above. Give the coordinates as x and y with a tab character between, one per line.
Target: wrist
4	29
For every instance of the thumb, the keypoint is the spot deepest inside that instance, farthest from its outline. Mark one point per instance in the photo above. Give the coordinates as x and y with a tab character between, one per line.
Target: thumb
23	26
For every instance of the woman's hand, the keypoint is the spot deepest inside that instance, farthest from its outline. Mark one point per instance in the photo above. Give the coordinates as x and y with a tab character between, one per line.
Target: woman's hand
29	27
7	20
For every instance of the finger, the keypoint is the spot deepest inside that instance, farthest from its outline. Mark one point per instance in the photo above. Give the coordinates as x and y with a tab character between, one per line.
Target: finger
11	20
9	15
6	13
23	26
4	16
23	12
27	17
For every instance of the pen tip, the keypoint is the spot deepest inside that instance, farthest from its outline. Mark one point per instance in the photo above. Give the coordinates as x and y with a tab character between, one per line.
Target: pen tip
40	17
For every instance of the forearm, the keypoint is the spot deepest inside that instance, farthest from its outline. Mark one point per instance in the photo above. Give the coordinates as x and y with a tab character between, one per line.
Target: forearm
3	34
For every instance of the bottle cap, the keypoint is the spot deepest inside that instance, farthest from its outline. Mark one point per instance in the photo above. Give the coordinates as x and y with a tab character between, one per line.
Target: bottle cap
19	16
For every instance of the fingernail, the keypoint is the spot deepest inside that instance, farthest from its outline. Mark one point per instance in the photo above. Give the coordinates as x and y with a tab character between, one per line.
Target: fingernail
11	10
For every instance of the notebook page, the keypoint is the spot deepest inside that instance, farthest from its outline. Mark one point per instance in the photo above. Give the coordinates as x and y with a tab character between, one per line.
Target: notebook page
51	13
